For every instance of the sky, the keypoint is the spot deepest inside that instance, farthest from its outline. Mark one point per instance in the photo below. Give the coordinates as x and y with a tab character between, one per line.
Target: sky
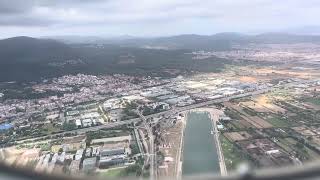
153	17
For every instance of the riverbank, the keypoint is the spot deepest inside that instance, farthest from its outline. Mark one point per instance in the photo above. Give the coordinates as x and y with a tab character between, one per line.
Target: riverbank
179	158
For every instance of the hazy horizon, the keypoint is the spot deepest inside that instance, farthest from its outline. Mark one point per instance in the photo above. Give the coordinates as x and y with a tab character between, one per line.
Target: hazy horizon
156	18
128	36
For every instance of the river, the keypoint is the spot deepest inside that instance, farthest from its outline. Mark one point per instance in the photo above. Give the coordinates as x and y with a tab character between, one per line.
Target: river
199	149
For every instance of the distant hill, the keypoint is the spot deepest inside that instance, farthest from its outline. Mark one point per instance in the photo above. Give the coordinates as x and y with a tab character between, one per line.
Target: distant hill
220	41
310	30
284	38
27	49
188	41
193	41
29	59
72	39
25	58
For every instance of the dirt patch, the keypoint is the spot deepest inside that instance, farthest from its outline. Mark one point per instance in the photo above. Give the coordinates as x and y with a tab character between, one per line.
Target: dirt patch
255	106
287	73
316	140
170	147
249	79
246	124
304	131
257	122
264	101
254	120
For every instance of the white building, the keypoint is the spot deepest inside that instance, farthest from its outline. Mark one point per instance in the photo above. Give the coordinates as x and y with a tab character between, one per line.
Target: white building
78	123
86	122
274	151
79	154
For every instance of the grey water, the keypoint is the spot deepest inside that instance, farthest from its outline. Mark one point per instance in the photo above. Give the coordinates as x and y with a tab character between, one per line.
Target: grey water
199	149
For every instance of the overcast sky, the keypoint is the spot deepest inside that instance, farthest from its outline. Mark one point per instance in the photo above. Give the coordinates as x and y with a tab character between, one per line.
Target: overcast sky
153	17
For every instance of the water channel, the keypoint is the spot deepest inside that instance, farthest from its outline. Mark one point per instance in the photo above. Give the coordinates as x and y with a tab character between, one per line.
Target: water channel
199	149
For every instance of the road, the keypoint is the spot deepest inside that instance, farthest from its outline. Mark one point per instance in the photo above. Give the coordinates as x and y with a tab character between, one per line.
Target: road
84	130
138	141
206	103
151	145
135	120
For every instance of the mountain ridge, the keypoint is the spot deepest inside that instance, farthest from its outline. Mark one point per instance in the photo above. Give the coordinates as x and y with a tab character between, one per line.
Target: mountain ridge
26	58
23	48
195	41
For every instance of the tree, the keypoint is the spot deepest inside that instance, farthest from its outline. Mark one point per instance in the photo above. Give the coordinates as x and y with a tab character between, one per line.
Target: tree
299	145
147	110
128	110
133	169
134	148
68	126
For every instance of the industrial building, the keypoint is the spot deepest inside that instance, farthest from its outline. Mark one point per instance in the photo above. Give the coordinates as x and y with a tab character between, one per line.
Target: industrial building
89	164
112	161
112	157
112	152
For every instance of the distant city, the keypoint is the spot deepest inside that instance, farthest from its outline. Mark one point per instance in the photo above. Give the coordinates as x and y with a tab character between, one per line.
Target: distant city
160	111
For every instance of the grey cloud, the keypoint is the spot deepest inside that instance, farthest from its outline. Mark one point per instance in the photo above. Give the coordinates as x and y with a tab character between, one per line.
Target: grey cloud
15	6
146	13
25	21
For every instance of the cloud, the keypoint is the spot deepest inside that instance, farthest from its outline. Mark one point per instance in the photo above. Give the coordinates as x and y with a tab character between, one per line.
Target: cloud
15	6
153	16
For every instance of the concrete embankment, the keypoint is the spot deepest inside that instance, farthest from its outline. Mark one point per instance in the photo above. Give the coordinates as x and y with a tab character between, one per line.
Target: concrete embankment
199	150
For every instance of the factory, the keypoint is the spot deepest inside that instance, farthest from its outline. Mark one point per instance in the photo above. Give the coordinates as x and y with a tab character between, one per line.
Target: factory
89	164
112	157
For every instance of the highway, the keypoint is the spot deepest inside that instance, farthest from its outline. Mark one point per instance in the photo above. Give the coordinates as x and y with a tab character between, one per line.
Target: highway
135	120
83	130
206	103
172	111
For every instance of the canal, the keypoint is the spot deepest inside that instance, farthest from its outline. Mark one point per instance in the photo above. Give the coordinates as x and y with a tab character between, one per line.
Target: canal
199	149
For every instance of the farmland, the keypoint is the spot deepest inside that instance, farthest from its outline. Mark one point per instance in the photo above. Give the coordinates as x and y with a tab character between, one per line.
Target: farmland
274	129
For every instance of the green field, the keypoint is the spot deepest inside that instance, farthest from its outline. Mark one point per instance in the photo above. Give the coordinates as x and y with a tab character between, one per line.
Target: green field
284	145
232	155
113	173
314	101
278	122
281	92
290	145
231	127
49	129
238	125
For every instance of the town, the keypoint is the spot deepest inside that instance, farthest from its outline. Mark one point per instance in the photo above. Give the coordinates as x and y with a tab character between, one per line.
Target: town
121	125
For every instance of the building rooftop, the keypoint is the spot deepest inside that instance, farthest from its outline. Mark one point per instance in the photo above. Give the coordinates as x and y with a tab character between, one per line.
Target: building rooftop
89	163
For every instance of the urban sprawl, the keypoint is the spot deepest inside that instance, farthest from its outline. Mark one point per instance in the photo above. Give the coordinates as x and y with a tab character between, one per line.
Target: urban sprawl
121	125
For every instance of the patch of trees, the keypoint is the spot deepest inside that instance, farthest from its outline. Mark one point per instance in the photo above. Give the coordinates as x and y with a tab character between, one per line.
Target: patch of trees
134	148
68	126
